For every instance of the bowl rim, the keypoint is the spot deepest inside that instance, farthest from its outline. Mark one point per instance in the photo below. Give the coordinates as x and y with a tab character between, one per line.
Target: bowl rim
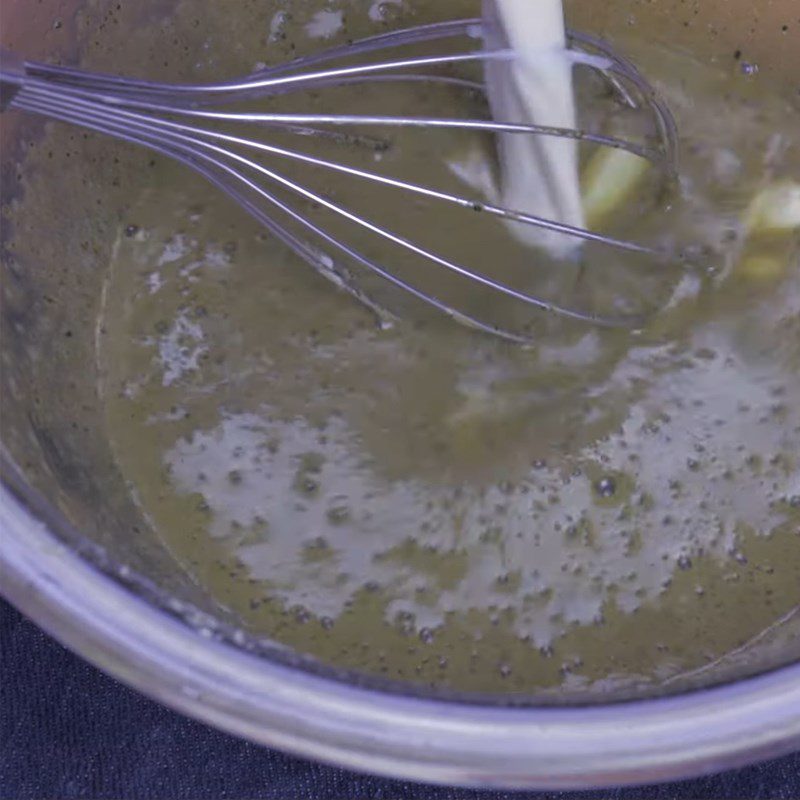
407	737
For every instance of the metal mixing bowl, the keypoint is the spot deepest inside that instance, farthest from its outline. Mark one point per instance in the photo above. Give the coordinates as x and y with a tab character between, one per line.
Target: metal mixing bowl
71	559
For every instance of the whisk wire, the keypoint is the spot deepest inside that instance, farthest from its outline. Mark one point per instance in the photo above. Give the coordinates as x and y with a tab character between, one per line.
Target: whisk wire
145	112
46	93
121	122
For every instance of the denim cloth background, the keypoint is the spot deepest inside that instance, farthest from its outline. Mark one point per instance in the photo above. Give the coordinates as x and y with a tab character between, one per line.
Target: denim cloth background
68	731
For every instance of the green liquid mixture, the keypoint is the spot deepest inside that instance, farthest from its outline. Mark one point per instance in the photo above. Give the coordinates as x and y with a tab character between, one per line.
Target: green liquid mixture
606	511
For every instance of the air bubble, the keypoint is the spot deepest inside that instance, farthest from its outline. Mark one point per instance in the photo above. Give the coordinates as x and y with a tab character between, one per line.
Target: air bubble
302	616
606	487
338	514
307	485
235	477
426	635
319	543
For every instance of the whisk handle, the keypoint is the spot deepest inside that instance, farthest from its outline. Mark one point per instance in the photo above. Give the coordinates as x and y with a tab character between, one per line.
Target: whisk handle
12	76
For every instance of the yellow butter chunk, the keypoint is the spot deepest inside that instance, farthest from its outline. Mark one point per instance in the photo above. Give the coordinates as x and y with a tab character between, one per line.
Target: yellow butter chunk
766	268
769	222
609	180
774	210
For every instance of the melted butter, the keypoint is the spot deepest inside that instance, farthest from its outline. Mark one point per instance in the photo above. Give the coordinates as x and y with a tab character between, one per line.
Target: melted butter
435	506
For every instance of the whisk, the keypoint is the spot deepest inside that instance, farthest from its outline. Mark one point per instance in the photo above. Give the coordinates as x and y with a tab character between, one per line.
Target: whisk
172	120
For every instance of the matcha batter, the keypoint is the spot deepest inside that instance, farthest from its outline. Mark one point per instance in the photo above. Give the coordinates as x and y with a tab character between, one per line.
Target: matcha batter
608	511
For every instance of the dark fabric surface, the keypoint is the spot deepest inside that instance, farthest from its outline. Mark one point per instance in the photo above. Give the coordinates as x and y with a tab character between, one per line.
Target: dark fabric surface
68	731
